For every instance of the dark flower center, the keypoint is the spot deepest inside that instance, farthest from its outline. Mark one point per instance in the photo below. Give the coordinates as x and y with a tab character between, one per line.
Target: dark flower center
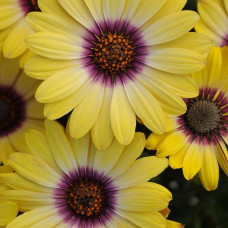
34	5
12	110
113	53
86	199
29	6
203	116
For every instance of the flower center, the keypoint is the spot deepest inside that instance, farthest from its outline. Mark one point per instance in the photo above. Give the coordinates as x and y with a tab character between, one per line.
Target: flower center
203	116
12	107
34	5
29	6
86	199
113	53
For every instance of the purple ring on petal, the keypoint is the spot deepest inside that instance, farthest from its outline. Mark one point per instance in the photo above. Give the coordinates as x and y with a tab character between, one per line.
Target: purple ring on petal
12	110
83	212
114	50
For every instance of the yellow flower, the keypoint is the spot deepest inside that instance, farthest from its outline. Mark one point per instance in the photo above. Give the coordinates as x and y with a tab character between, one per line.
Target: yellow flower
67	182
214	20
110	61
19	111
196	141
8	209
14	28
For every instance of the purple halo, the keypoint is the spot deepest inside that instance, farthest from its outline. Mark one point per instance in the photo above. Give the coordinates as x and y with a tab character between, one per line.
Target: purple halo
13	110
124	28
87	175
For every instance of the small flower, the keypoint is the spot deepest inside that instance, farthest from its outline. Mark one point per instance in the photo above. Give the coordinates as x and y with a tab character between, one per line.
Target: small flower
69	183
19	110
214	20
113	61
197	140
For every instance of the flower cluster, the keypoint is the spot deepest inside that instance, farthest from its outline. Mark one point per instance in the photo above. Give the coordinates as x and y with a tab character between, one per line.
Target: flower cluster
108	66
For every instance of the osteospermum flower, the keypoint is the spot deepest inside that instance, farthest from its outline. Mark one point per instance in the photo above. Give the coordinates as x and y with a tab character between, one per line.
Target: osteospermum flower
197	140
214	19
19	111
69	183
14	28
110	61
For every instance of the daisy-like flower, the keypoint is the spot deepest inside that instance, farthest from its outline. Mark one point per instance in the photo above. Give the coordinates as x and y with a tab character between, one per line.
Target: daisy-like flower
8	209
110	61
214	20
14	28
66	182
19	111
197	140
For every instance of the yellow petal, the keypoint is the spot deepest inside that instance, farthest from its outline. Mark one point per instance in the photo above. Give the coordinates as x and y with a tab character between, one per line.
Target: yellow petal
153	141
9	14
113	9
176	60
144	197
34	169
60	108
55	46
209	173
129	155
84	116
145	11
35	109
105	160
30	218
28	200
81	149
201	27
8	211
15	42
101	132
6	149
214	64
15	181
78	11
38	146
213	15
176	160
9	70
60	147
183	85
146	168
170	27
172	143
170	102
144	219
40	22
193	160
191	40
145	106
41	68
222	156
123	119
61	85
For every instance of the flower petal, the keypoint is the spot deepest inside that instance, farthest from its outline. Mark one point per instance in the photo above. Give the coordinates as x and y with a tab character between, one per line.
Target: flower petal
176	60
170	27
123	119
146	168
145	106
